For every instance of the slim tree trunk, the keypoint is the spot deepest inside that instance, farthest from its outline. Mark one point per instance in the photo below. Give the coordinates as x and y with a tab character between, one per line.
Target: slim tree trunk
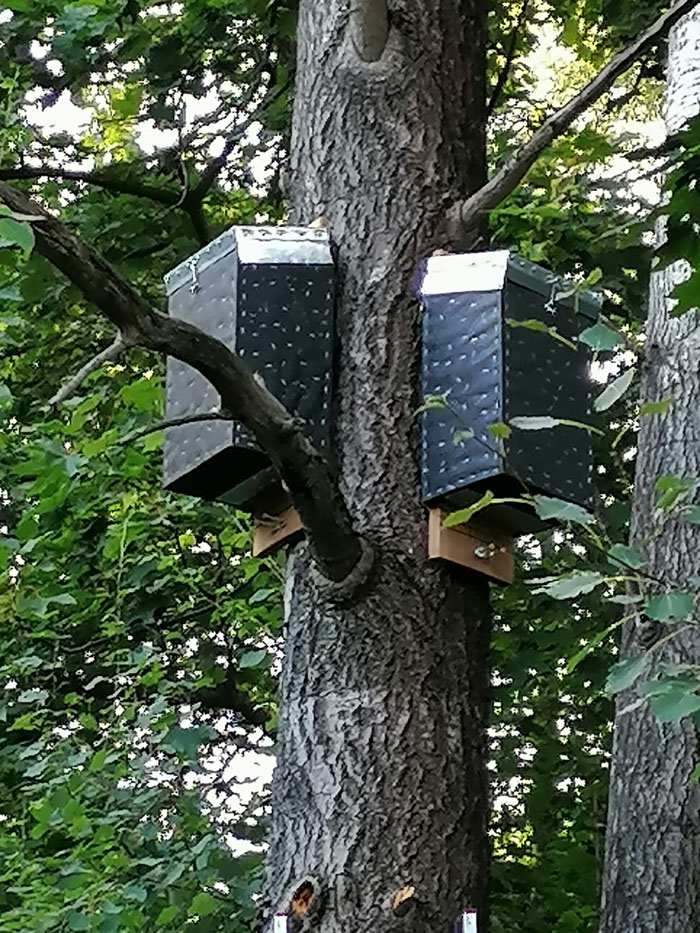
652	875
381	780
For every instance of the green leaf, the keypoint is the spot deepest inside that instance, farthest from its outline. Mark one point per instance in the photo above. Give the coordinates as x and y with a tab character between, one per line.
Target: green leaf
432	401
167	914
625	599
600	337
259	596
627	556
624	674
572	585
27	528
252	659
657	408
135	892
672	707
186	742
614	391
203	905
548	509
692	515
144	394
669	607
461	516
461	437
78	921
33	695
98	760
673	489
499	430
16	233
533	423
529	324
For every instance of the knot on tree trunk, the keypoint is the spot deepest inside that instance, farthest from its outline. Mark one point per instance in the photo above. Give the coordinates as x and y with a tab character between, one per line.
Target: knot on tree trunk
304	904
369	28
345	591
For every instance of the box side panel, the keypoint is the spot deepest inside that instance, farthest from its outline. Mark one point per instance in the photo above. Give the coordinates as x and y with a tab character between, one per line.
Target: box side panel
462	359
544	377
285	335
550	285
209	302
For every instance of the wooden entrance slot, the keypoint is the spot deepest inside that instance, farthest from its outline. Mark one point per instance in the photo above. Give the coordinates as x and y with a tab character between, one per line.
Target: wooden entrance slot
476	545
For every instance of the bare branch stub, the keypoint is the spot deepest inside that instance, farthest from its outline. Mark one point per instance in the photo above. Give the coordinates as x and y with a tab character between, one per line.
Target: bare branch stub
333	543
464	217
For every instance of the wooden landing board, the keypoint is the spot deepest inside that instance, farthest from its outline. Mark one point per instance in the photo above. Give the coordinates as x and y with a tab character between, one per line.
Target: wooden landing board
271	533
489	550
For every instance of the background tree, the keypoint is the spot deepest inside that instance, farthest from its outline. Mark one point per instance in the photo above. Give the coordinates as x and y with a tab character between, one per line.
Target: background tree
378	666
652	876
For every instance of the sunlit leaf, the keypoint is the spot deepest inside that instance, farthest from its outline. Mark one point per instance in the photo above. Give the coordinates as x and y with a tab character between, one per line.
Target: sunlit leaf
549	508
533	423
624	674
575	584
668	607
675	706
614	392
626	556
16	233
600	337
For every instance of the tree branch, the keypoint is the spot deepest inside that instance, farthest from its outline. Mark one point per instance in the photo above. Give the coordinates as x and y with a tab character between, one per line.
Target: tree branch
136	435
464	217
369	28
109	353
210	173
333	543
510	58
139	189
189	203
215	165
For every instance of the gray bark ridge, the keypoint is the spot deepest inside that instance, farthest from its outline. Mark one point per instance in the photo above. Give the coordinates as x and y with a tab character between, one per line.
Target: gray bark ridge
652	871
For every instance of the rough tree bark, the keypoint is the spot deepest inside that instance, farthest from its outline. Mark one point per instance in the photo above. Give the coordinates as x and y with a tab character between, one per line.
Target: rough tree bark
652	875
381	781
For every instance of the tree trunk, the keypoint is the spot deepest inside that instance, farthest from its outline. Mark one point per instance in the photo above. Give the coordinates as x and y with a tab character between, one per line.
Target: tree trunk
381	777
652	874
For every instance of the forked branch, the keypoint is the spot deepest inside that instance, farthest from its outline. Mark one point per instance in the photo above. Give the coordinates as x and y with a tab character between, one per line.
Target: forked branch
333	543
465	217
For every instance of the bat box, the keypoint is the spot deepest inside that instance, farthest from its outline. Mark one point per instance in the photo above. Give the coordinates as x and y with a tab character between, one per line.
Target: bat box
488	352
267	293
